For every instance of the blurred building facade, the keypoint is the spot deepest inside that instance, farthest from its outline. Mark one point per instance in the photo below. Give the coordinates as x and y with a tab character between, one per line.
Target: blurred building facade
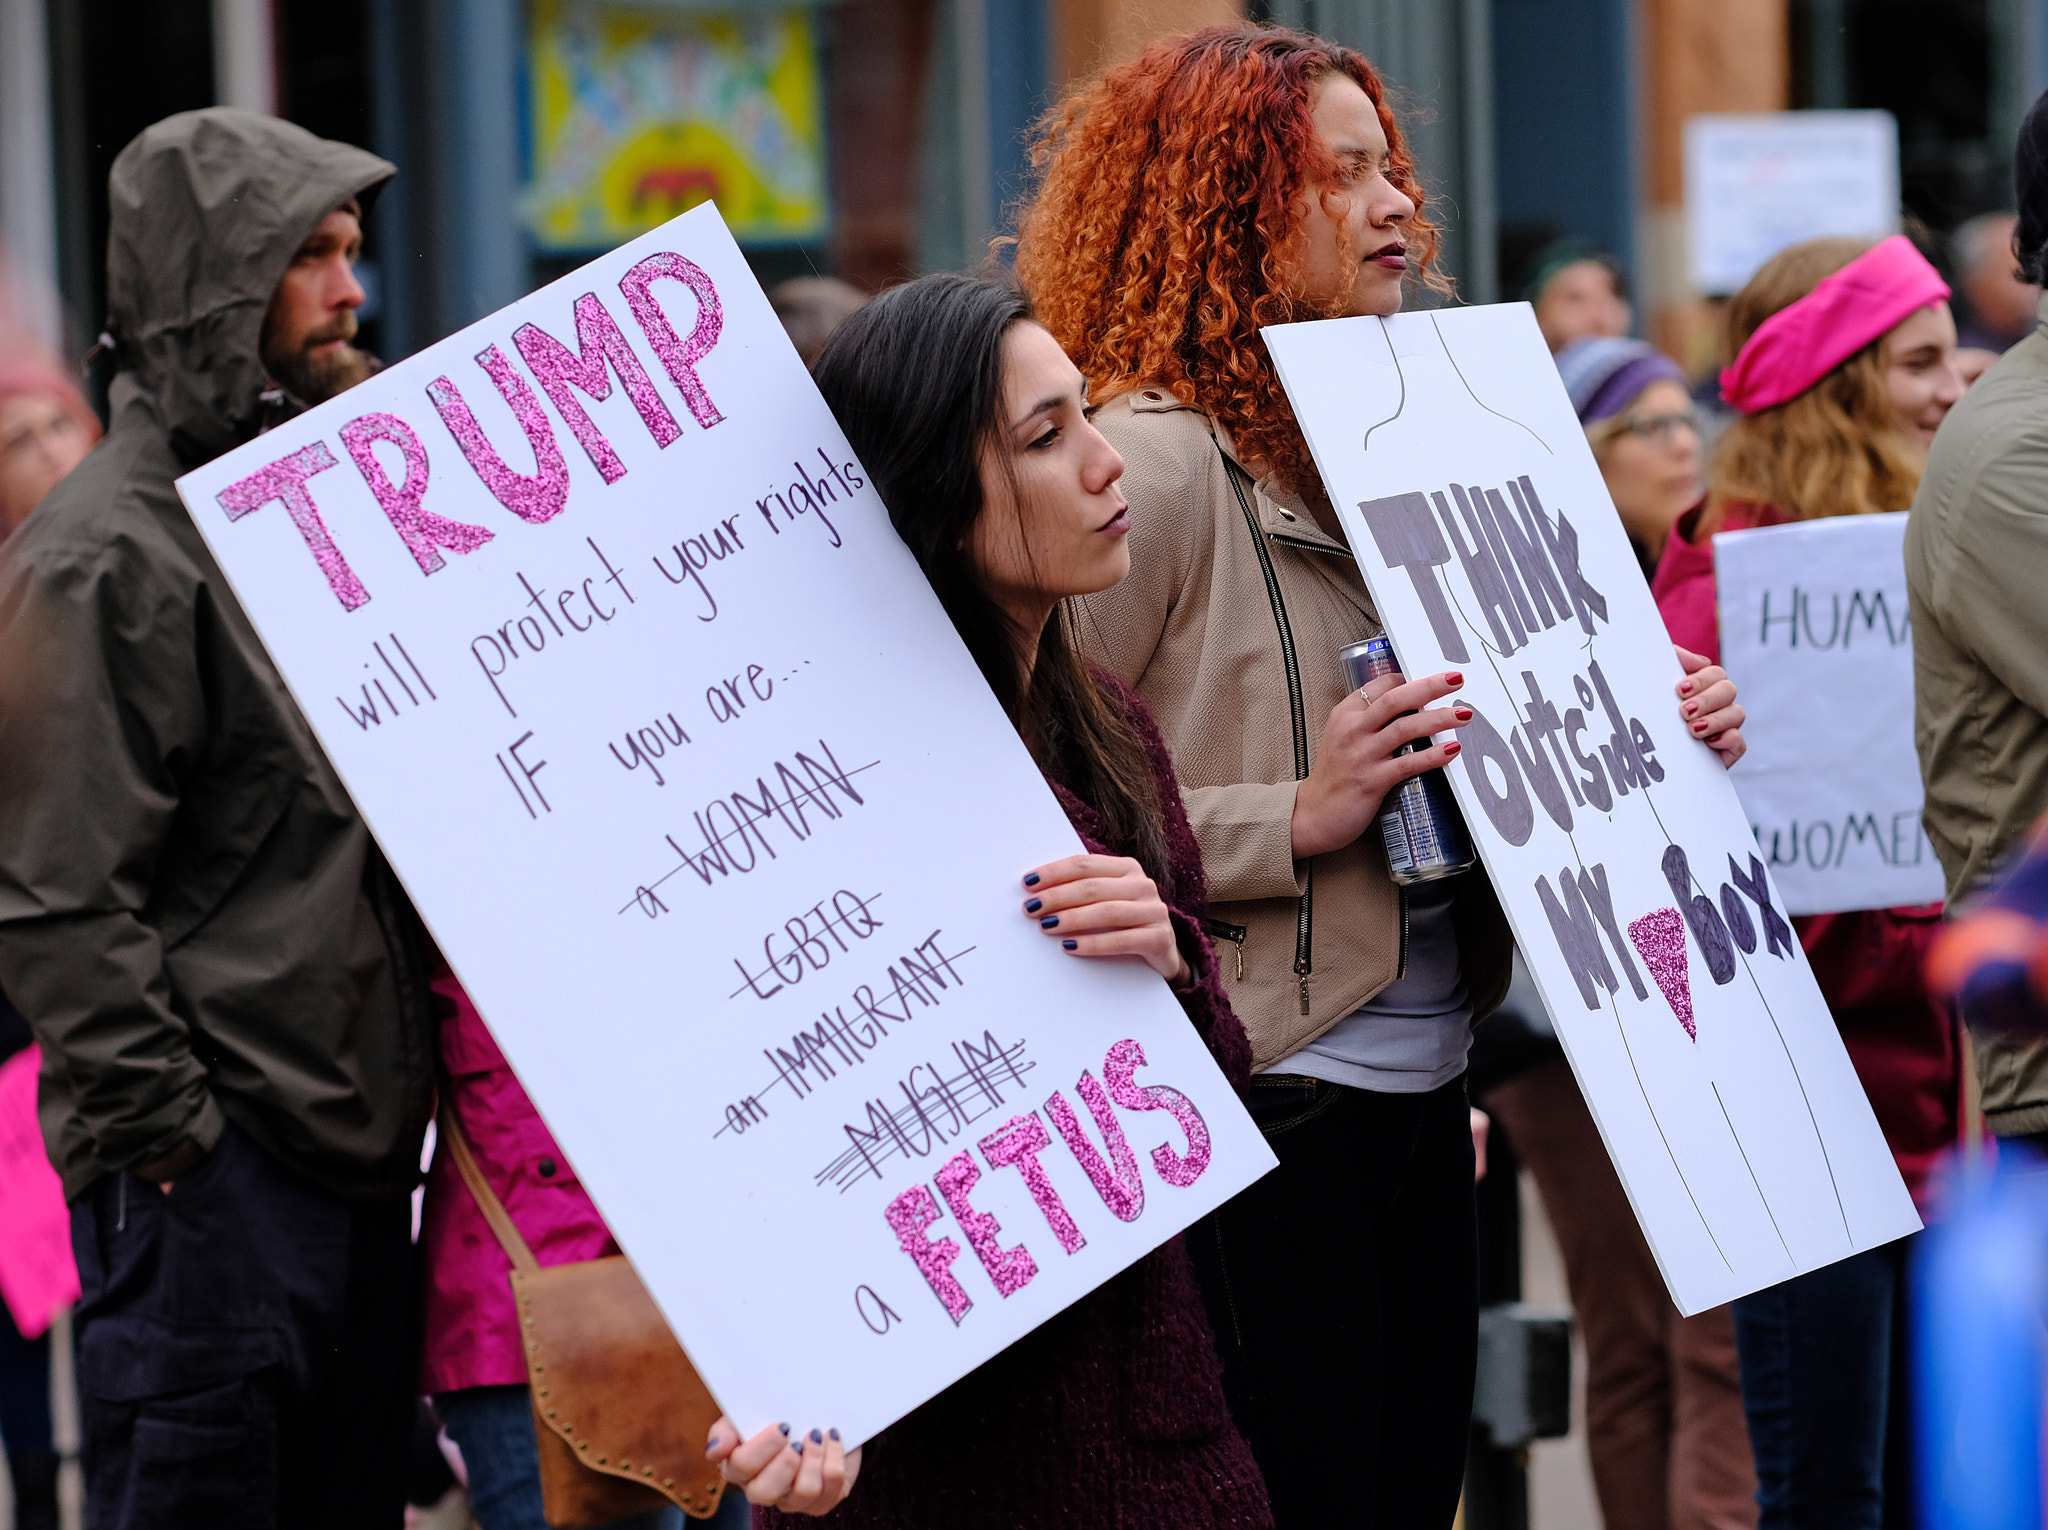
874	138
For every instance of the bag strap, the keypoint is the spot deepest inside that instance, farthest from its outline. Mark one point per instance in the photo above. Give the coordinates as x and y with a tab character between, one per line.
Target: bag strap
480	1189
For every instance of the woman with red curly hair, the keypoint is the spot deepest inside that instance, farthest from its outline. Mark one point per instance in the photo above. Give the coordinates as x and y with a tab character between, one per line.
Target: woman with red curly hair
1233	178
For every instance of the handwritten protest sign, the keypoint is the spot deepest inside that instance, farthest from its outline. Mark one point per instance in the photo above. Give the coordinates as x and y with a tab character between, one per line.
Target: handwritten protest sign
1646	914
712	813
1814	622
38	1277
1756	182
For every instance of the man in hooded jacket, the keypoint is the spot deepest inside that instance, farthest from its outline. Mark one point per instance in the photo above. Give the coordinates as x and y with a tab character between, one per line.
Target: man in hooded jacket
223	973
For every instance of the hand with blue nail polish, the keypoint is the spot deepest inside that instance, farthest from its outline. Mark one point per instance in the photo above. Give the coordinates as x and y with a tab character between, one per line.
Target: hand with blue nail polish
808	1473
1105	905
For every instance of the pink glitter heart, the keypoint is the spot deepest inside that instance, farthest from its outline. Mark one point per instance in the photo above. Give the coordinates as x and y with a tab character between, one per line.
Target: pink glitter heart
1660	936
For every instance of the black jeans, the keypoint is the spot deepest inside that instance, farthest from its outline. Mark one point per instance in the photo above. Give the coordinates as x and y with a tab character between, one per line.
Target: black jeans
1344	1291
1824	1360
247	1350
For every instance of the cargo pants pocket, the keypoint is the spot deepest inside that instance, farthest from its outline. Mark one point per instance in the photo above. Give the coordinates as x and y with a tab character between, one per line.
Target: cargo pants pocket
205	1457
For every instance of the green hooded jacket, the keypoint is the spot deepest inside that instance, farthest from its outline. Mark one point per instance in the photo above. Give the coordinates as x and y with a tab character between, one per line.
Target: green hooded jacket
192	915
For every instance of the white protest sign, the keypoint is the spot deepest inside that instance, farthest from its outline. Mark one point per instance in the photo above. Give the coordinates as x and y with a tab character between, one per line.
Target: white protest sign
1814	628
1617	846
712	813
1758	182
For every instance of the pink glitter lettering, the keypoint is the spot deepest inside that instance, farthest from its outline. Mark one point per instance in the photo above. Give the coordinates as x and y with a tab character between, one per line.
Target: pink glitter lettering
910	1214
1017	1146
598	340
423	532
537	496
1660	936
1010	1268
285	479
1122	1191
680	357
1124	1060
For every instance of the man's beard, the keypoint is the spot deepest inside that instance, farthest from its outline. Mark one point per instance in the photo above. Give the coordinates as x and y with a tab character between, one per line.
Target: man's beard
315	379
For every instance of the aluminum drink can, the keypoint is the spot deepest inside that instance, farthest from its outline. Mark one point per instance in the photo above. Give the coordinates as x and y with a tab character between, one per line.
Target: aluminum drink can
1424	832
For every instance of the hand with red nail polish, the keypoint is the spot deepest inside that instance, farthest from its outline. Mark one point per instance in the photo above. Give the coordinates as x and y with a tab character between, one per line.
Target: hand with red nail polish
1714	718
1356	766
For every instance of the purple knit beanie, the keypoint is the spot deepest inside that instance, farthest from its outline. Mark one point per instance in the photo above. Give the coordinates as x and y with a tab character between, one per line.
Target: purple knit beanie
1604	376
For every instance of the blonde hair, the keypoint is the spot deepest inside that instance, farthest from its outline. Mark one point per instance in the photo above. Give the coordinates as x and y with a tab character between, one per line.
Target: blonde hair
1835	449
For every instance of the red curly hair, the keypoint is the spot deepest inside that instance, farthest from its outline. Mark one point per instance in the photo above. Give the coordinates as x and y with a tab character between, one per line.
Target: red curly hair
1165	221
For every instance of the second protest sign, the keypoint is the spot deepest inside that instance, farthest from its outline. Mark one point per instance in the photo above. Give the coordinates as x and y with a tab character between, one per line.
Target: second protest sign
1620	854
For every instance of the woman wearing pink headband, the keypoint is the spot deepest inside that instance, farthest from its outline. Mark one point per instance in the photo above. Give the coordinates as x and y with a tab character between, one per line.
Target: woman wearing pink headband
1844	367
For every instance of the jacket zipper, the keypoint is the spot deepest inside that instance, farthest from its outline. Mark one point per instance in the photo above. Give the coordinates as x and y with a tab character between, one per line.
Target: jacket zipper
1223	929
1329	549
1401	967
1304	924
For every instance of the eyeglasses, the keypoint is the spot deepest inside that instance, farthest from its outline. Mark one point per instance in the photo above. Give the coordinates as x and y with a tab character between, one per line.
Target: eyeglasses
1658	429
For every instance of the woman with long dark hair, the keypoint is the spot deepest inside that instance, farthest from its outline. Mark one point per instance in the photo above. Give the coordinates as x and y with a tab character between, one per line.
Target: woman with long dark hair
1237	177
975	430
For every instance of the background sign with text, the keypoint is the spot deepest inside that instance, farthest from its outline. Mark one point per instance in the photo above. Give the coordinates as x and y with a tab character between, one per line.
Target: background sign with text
1814	625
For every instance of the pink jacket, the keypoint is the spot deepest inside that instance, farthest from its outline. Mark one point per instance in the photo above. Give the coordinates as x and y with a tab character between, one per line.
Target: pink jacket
471	1327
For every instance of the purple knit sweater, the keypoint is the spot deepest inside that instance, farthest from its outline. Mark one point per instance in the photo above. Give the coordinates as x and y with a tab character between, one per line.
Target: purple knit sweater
1111	1415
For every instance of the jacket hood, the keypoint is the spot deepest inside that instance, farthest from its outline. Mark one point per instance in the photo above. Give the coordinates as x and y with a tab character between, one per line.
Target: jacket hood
208	208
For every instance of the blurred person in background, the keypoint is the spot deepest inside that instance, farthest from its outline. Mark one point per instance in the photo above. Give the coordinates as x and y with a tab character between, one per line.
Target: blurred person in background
1579	291
224	975
1634	405
1665	1431
1992	958
1997	308
1844	369
811	307
46	429
1977	575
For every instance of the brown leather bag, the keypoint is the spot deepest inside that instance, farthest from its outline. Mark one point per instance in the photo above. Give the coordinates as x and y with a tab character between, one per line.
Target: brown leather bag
619	1413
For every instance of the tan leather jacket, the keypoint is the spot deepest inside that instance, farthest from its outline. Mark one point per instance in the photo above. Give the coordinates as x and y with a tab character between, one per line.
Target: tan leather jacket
1976	553
1194	630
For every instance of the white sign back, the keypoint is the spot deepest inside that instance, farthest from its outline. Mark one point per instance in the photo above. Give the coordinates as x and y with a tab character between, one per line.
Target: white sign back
1755	183
1615	842
1814	625
713	815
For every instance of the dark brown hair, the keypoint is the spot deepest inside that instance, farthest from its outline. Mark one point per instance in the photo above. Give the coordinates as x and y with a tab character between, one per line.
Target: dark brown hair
916	381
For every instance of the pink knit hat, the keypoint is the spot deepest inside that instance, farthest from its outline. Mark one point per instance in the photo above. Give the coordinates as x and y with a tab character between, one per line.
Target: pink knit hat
35	372
1804	341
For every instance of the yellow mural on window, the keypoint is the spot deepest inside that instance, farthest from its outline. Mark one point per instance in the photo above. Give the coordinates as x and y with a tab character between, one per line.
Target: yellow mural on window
640	112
